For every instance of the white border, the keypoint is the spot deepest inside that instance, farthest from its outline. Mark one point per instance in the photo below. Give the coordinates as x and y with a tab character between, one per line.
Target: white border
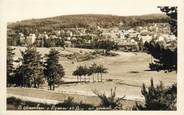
180	74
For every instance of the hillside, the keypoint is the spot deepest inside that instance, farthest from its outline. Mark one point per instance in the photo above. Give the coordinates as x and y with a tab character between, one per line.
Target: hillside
85	21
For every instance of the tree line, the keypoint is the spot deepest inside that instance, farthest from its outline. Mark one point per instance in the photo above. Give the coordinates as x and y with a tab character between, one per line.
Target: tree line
85	71
83	21
97	43
32	71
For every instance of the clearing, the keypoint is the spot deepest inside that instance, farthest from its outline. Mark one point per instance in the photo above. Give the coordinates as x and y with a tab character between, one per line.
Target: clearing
127	72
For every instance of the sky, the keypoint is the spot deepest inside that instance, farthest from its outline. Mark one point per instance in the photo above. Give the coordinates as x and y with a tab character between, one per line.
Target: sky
16	10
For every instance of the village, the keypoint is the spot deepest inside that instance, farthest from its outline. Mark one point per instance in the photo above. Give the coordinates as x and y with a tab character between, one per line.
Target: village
127	39
91	64
94	55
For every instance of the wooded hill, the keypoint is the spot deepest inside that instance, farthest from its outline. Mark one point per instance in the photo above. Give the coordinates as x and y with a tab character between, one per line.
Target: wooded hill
85	21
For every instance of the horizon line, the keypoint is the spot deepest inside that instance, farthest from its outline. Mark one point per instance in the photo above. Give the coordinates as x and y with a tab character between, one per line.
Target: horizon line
77	14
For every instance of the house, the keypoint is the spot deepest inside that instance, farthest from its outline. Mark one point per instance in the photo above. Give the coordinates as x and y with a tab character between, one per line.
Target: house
22	39
31	39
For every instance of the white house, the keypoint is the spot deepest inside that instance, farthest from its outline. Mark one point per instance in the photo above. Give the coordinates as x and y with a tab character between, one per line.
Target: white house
31	38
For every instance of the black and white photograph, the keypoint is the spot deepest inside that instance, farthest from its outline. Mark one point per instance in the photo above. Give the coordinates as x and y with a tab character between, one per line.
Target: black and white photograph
96	55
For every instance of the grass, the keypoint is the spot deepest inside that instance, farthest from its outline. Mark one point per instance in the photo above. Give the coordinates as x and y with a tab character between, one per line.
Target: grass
50	95
127	69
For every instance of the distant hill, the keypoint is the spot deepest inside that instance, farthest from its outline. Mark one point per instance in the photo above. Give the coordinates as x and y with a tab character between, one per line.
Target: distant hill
85	21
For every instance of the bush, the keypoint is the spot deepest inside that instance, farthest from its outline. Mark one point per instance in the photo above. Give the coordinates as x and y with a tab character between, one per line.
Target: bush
14	101
158	98
68	104
111	102
24	105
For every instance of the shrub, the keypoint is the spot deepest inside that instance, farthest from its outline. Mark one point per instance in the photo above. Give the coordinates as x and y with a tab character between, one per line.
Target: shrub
111	102
68	104
158	98
13	100
23	105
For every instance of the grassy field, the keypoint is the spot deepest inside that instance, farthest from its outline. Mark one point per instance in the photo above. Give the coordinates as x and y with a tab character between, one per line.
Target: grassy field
127	72
50	97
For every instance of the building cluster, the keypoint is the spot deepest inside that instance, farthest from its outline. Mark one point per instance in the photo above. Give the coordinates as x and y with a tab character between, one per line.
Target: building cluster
125	37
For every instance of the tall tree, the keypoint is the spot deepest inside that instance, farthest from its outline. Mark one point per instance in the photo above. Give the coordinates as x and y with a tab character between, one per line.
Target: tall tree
78	73
101	70
93	70
171	12
166	57
10	67
31	69
81	71
53	70
85	73
75	73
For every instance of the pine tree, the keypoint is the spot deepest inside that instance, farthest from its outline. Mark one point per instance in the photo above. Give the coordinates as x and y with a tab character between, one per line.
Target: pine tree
171	12
81	71
165	57
53	70
158	97
85	72
10	68
101	70
78	73
93	70
31	70
111	102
